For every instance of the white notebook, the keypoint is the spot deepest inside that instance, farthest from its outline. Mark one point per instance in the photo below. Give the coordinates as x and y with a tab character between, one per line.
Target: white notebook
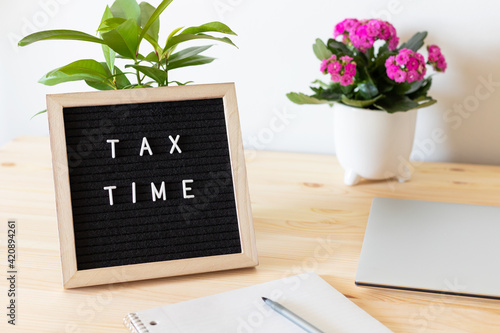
243	311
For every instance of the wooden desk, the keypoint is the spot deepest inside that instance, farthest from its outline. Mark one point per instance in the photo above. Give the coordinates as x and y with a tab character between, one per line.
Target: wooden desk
305	219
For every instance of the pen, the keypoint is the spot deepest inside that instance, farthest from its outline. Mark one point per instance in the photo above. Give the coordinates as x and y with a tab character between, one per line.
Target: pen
302	323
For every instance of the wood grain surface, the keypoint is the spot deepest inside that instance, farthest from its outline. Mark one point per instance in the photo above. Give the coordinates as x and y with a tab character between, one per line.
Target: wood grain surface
305	219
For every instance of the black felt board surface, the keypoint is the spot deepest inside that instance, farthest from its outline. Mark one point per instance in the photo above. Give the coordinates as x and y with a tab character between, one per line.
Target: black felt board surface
127	233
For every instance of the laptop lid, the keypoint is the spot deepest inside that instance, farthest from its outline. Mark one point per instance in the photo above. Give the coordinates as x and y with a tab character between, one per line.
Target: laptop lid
432	246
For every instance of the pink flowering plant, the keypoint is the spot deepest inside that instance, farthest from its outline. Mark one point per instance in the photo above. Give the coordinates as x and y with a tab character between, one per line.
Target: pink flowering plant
367	68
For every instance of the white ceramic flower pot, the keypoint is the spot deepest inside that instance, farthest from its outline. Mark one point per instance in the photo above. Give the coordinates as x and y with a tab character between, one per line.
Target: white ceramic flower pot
373	144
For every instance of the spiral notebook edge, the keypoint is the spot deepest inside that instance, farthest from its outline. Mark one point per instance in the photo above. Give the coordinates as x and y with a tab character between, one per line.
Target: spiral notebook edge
134	323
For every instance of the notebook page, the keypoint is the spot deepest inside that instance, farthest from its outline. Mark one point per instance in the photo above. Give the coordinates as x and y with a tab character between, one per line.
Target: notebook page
243	311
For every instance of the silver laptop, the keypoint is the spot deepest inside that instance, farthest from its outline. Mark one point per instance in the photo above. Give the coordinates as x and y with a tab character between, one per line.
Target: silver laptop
432	246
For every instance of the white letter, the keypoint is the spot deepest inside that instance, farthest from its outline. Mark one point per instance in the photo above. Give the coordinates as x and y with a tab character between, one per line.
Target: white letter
174	144
110	190
133	193
185	189
113	141
145	145
155	193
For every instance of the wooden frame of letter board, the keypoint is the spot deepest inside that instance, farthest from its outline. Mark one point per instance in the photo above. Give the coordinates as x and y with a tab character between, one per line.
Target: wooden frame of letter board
72	277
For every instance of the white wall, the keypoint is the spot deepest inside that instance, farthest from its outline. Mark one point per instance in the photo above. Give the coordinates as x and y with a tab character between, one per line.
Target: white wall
275	57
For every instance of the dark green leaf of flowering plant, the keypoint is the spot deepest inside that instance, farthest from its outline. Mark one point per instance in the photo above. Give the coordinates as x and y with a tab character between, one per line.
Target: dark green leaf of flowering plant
300	98
395	103
320	50
338	48
415	43
358	103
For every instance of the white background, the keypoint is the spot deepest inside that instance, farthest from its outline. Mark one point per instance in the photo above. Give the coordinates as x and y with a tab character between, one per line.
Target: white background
275	57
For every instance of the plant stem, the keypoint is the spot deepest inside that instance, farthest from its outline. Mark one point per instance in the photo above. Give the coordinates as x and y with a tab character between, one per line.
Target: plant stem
166	73
139	81
369	76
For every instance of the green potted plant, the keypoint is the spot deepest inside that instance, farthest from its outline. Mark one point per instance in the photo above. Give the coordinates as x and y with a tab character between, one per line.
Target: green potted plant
377	87
124	30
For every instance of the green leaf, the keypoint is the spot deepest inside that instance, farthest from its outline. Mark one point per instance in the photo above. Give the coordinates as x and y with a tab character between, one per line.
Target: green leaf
367	90
187	37
110	24
209	27
188	52
174	32
337	47
123	39
151	57
122	82
300	98
114	22
156	74
422	90
180	83
87	69
415	43
109	54
321	83
396	103
59	35
98	85
147	12
153	18
107	14
320	50
426	104
126	9
358	103
191	61
36	114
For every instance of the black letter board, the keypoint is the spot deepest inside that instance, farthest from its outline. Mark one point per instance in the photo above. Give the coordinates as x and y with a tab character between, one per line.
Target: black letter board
149	183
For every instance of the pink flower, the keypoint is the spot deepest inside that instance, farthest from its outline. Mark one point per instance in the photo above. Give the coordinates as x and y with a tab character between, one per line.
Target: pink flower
436	58
391	71
342	70
361	31
339	29
350	69
390	61
373	28
324	65
335	77
406	66
402	58
433	57
346	58
441	64
412	64
350	24
346	80
400	76
334	67
412	76
363	34
434	49
393	43
384	31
